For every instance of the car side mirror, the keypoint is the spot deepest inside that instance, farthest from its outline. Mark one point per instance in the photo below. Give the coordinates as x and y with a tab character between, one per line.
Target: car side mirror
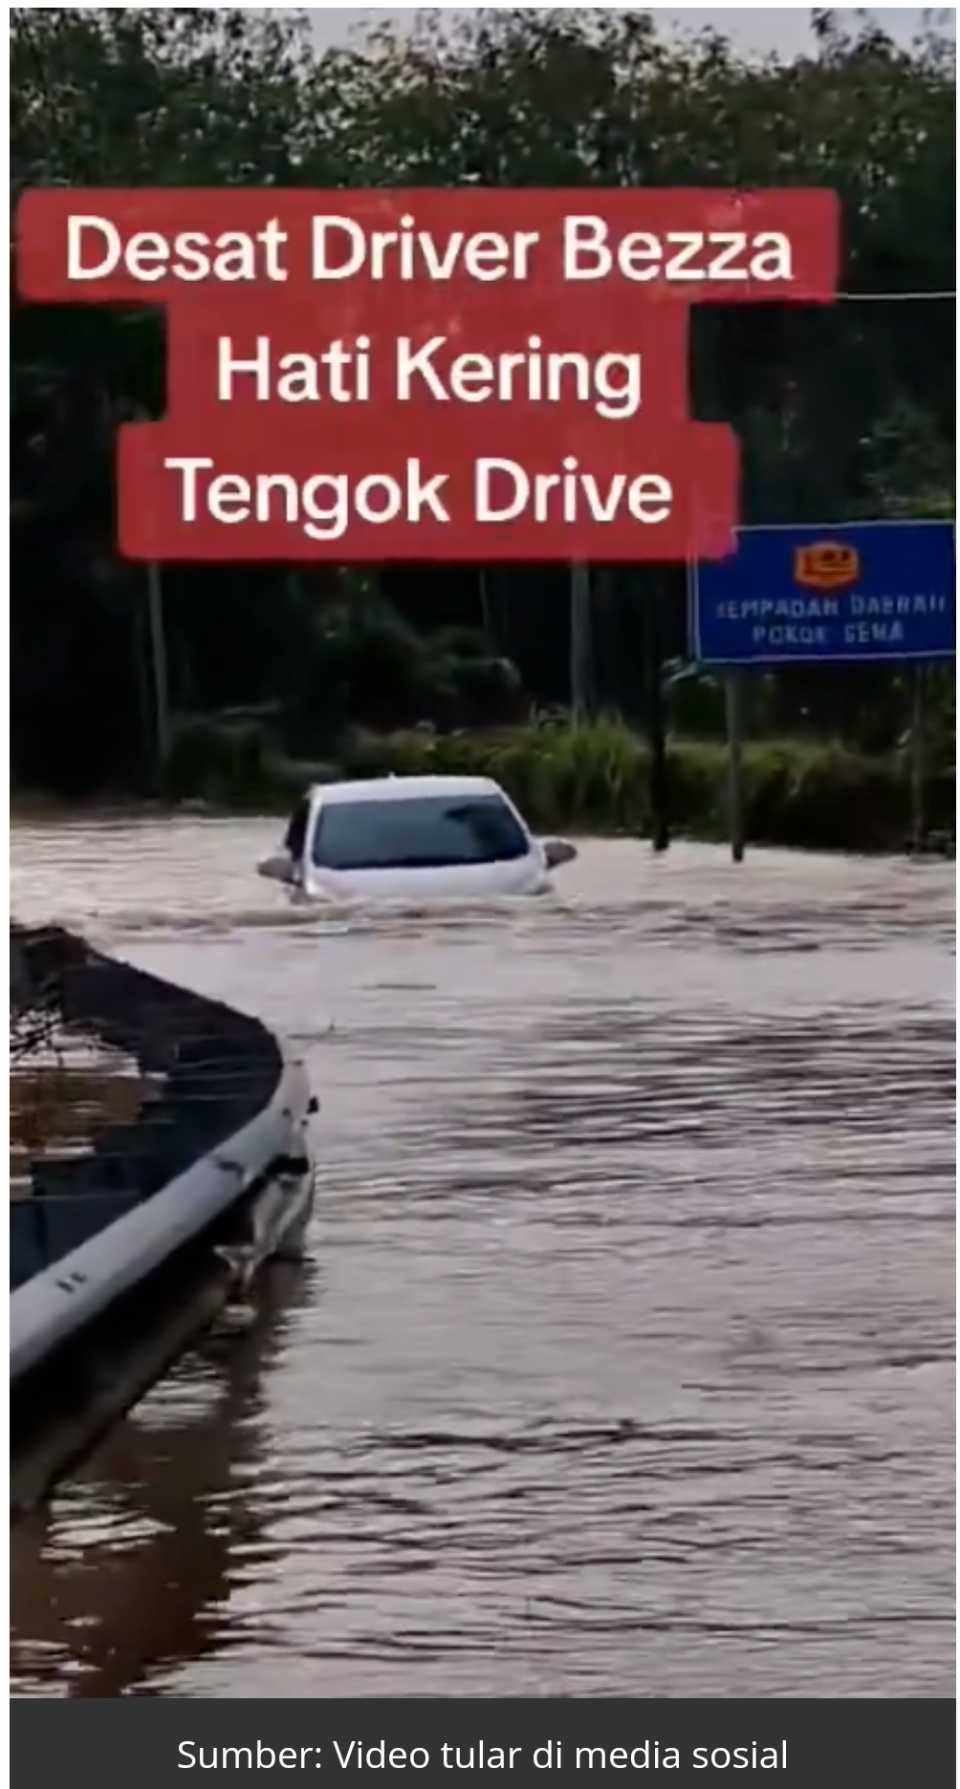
557	851
279	868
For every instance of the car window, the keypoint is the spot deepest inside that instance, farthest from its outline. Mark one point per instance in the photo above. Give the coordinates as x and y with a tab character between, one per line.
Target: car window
421	832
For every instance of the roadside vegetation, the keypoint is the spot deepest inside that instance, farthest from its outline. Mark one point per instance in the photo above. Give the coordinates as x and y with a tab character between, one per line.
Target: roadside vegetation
591	779
843	412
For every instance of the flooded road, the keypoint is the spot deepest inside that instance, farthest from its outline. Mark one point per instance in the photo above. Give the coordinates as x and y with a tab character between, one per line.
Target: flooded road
623	1362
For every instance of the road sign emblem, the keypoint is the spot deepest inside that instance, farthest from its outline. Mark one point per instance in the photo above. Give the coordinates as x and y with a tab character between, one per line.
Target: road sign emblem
826	565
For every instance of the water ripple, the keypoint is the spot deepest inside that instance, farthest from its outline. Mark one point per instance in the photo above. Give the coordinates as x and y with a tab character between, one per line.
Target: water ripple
624	1361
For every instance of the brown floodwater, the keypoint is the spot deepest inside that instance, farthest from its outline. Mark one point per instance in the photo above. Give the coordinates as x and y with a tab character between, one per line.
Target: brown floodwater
623	1360
63	1092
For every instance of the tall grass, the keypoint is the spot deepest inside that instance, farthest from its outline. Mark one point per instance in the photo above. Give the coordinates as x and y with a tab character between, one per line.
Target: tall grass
595	779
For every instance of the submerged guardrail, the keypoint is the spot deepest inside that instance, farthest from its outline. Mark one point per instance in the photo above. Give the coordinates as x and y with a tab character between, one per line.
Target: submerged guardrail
209	1069
210	1158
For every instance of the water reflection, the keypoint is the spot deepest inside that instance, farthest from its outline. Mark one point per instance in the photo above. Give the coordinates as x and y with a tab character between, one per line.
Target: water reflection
144	1537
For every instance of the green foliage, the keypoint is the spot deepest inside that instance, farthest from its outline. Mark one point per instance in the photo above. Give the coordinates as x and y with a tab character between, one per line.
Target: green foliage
595	779
910	466
235	765
227	765
843	411
156	96
357	660
590	779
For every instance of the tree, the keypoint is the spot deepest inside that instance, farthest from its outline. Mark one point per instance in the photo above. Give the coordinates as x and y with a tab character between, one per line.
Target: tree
842	411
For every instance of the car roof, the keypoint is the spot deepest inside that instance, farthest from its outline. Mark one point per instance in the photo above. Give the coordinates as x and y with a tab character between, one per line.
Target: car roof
405	788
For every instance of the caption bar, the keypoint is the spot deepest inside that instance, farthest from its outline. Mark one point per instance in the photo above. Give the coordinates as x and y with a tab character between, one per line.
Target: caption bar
428	375
163	1743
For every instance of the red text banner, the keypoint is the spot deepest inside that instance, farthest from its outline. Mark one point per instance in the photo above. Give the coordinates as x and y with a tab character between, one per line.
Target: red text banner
459	375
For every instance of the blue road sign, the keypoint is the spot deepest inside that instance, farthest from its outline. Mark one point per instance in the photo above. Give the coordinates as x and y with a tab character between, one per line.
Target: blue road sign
864	590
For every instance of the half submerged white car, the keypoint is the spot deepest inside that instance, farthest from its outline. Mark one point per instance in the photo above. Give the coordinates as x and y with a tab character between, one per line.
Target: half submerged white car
411	838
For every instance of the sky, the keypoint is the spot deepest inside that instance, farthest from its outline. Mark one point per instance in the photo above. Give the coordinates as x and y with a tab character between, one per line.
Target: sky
761	28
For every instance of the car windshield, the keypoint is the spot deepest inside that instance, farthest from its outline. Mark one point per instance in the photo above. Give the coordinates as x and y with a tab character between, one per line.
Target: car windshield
417	833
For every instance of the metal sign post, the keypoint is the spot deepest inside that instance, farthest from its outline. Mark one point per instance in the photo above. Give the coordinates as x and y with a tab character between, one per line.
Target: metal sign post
918	760
733	687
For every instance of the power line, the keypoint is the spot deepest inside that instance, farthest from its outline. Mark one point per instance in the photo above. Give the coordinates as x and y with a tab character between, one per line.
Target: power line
892	297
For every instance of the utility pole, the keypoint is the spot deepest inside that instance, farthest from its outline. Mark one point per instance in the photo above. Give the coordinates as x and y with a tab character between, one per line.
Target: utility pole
656	719
158	661
581	645
486	611
158	655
